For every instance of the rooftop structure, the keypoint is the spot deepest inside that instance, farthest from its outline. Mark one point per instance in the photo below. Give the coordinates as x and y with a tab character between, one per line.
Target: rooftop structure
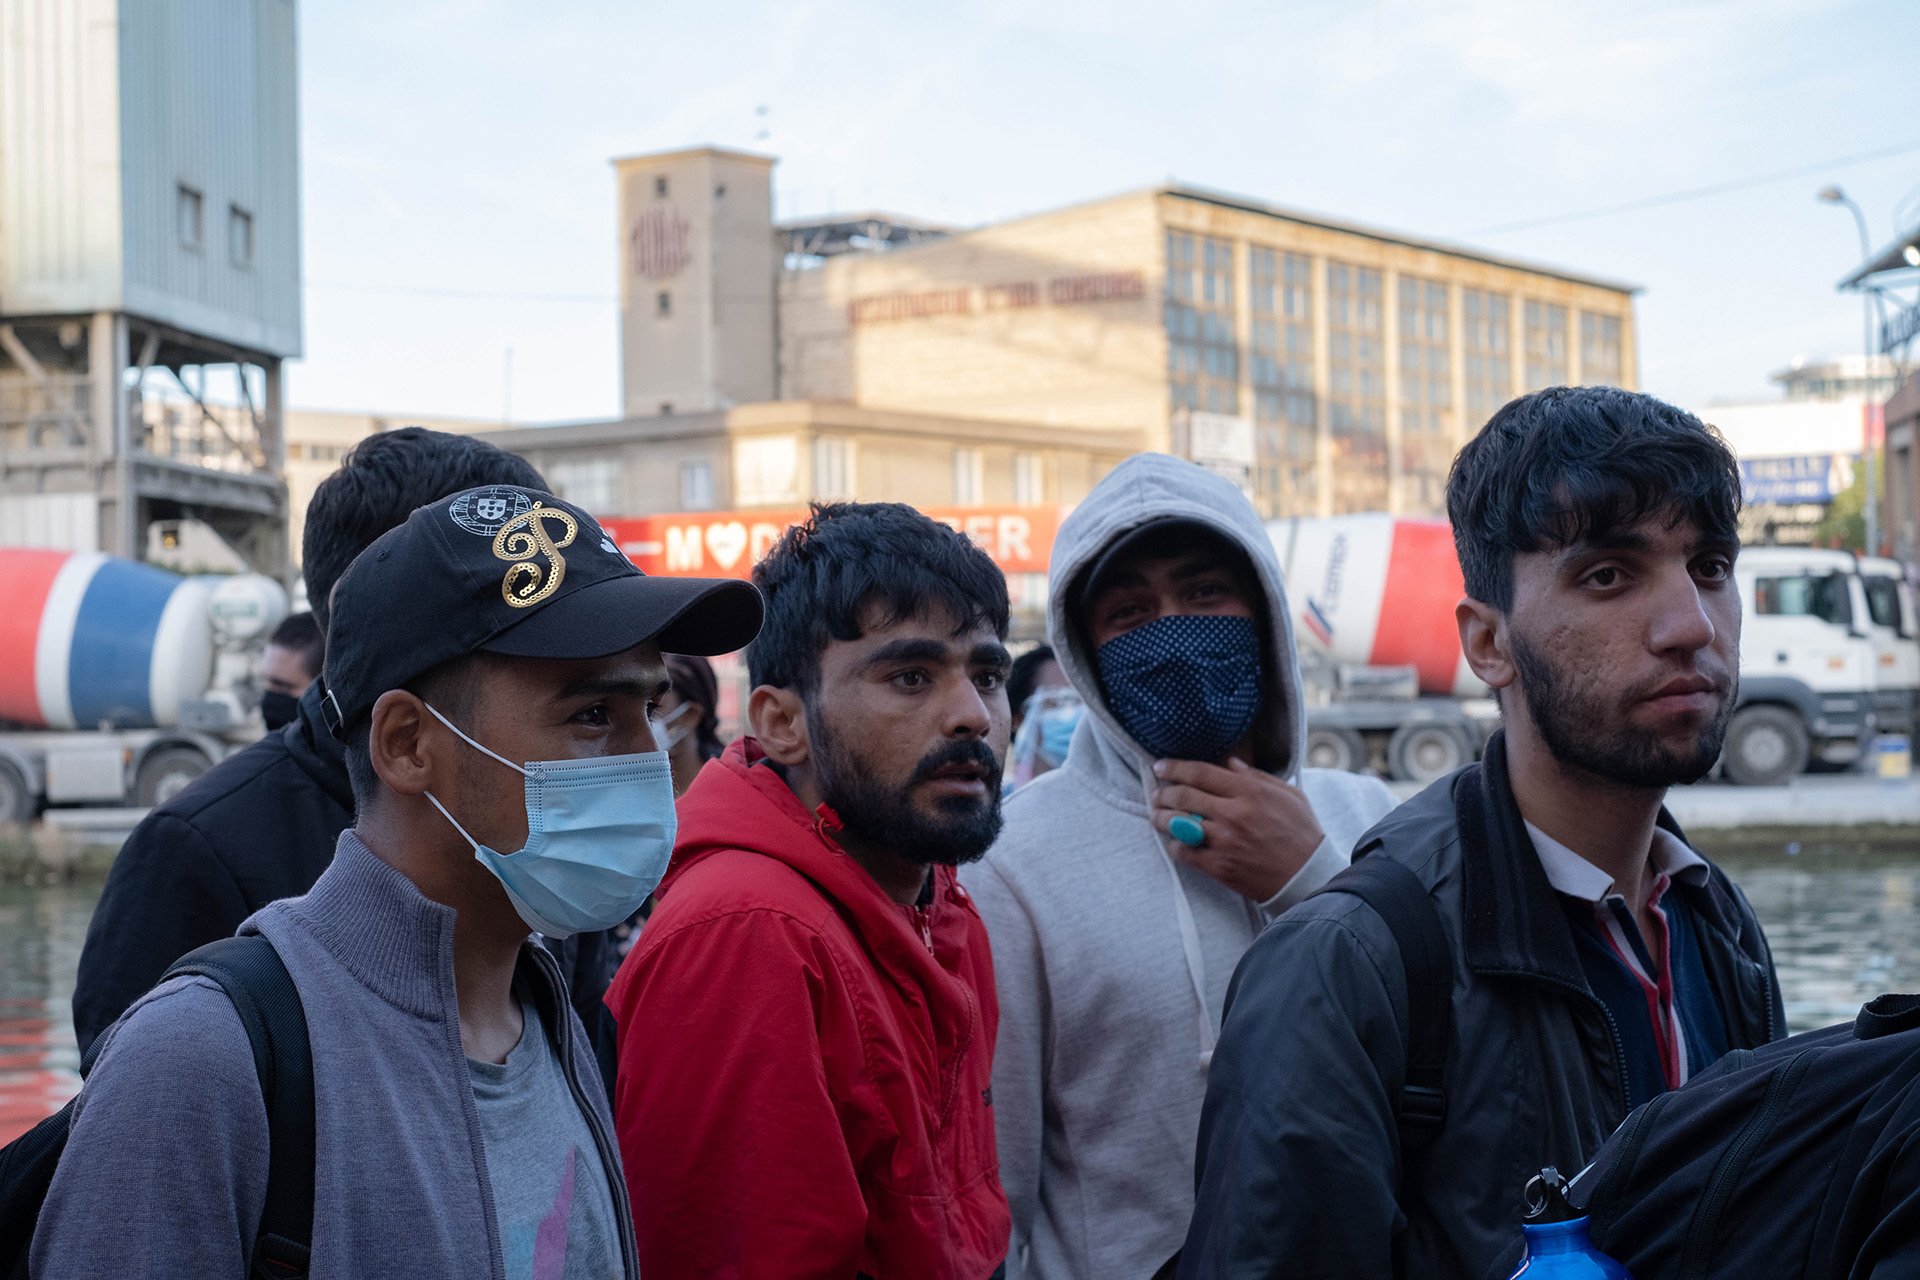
149	239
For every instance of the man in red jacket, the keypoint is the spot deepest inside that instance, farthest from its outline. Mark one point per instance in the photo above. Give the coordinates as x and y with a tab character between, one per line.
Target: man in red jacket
807	1022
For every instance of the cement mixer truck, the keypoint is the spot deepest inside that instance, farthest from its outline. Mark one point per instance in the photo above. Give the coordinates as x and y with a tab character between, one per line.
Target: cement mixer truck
1388	688
120	683
1386	685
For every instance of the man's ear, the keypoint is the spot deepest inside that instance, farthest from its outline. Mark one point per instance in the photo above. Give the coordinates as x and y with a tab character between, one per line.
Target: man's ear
1483	638
779	720
397	743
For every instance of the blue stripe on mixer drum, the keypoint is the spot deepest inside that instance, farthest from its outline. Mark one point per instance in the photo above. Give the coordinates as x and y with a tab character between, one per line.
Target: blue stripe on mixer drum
111	670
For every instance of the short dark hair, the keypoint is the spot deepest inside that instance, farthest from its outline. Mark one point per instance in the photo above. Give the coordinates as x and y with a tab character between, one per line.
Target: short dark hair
1570	464
381	481
300	633
1026	674
823	578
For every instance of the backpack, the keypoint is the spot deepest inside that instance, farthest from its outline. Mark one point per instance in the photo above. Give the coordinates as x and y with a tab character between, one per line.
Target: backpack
263	994
1791	1160
1402	902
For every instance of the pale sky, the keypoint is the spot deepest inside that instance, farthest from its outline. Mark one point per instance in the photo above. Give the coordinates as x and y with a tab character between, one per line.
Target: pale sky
459	201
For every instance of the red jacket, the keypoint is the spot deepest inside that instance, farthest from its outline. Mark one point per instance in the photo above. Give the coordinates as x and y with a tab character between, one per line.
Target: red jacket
806	1089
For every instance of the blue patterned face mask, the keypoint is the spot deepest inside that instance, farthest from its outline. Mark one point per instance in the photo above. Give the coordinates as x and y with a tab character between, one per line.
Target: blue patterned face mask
1187	686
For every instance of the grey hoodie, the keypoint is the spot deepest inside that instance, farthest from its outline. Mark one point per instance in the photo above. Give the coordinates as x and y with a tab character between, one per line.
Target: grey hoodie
165	1173
1111	959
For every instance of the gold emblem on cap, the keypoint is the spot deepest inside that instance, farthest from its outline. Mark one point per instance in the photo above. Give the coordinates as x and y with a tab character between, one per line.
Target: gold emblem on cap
522	540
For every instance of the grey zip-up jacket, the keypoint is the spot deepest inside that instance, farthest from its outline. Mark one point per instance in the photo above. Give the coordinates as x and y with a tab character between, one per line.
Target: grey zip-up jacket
1111	958
1301	1173
165	1172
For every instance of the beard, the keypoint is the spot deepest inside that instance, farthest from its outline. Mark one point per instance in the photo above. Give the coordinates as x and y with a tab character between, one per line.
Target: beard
884	817
1587	726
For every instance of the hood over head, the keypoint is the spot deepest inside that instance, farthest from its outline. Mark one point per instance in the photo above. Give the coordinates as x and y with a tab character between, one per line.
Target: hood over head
1152	488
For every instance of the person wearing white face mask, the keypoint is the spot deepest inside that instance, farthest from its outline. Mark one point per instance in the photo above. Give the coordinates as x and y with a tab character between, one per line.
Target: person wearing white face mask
688	714
494	671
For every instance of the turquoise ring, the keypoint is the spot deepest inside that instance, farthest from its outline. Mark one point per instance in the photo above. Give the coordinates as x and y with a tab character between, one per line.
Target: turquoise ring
1188	831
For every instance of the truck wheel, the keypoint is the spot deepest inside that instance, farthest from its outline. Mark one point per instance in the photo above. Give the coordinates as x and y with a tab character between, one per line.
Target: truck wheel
1424	753
1336	749
1766	745
166	773
16	799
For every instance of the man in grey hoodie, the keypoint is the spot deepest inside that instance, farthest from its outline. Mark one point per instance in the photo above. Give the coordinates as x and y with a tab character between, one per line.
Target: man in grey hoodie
1126	884
460	1128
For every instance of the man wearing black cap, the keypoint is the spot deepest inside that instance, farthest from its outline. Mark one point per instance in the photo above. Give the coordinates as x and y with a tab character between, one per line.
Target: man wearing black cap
460	1128
1128	882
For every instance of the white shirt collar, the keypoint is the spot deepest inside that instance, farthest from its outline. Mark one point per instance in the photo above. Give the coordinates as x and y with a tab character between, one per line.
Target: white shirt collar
1573	875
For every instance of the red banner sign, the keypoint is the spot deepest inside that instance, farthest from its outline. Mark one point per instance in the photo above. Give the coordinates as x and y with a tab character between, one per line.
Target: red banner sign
727	544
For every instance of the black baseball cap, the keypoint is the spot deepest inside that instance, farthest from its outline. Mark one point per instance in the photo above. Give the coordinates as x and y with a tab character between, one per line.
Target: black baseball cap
502	569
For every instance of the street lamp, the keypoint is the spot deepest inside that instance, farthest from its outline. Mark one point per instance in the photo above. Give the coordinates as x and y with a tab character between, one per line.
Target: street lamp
1834	195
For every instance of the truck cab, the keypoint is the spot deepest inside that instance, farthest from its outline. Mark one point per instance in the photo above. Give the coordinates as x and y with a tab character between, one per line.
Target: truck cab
1807	665
1894	632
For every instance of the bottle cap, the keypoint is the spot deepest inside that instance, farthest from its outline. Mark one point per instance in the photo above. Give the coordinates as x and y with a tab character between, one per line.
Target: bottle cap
1547	1200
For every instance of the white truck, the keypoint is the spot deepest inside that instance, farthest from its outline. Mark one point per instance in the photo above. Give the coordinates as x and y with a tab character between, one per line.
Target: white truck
121	683
1893	623
1812	683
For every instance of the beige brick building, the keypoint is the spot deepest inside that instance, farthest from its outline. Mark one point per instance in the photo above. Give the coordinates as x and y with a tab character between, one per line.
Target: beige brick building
1327	367
1360	360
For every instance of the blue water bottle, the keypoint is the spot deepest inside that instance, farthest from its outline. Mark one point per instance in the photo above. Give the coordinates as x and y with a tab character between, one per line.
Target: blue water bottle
1558	1246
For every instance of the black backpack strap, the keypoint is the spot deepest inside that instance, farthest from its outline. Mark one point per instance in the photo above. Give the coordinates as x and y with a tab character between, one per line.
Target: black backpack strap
1399	898
263	994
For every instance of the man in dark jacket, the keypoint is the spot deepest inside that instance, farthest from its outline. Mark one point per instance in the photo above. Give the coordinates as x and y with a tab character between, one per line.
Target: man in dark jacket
262	824
1597	959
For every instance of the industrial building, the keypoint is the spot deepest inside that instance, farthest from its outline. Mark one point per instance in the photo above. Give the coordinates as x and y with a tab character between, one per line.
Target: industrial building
149	239
1327	367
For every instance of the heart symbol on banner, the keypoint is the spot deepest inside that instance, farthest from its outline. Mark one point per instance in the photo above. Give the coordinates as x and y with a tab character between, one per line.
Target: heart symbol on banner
726	543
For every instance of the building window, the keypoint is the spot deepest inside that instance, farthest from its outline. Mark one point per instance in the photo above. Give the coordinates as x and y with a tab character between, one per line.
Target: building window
1281	355
239	236
719	191
663	304
969	477
593	483
1600	360
1357	387
696	485
1546	335
832	468
189	211
1203	356
1486	353
660	187
766	470
1426	396
1029	487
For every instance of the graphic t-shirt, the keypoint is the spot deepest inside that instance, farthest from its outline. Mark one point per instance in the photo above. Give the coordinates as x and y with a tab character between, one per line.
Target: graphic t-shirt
550	1190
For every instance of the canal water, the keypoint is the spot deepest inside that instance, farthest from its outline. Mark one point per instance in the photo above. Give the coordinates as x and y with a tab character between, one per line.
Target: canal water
1845	926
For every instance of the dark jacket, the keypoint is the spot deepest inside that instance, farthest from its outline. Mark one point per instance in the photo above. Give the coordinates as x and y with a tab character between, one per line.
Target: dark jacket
1300	1171
1801	1159
259	826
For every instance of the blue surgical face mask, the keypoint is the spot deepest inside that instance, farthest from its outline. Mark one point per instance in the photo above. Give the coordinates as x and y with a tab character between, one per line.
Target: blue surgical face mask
1187	686
599	836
